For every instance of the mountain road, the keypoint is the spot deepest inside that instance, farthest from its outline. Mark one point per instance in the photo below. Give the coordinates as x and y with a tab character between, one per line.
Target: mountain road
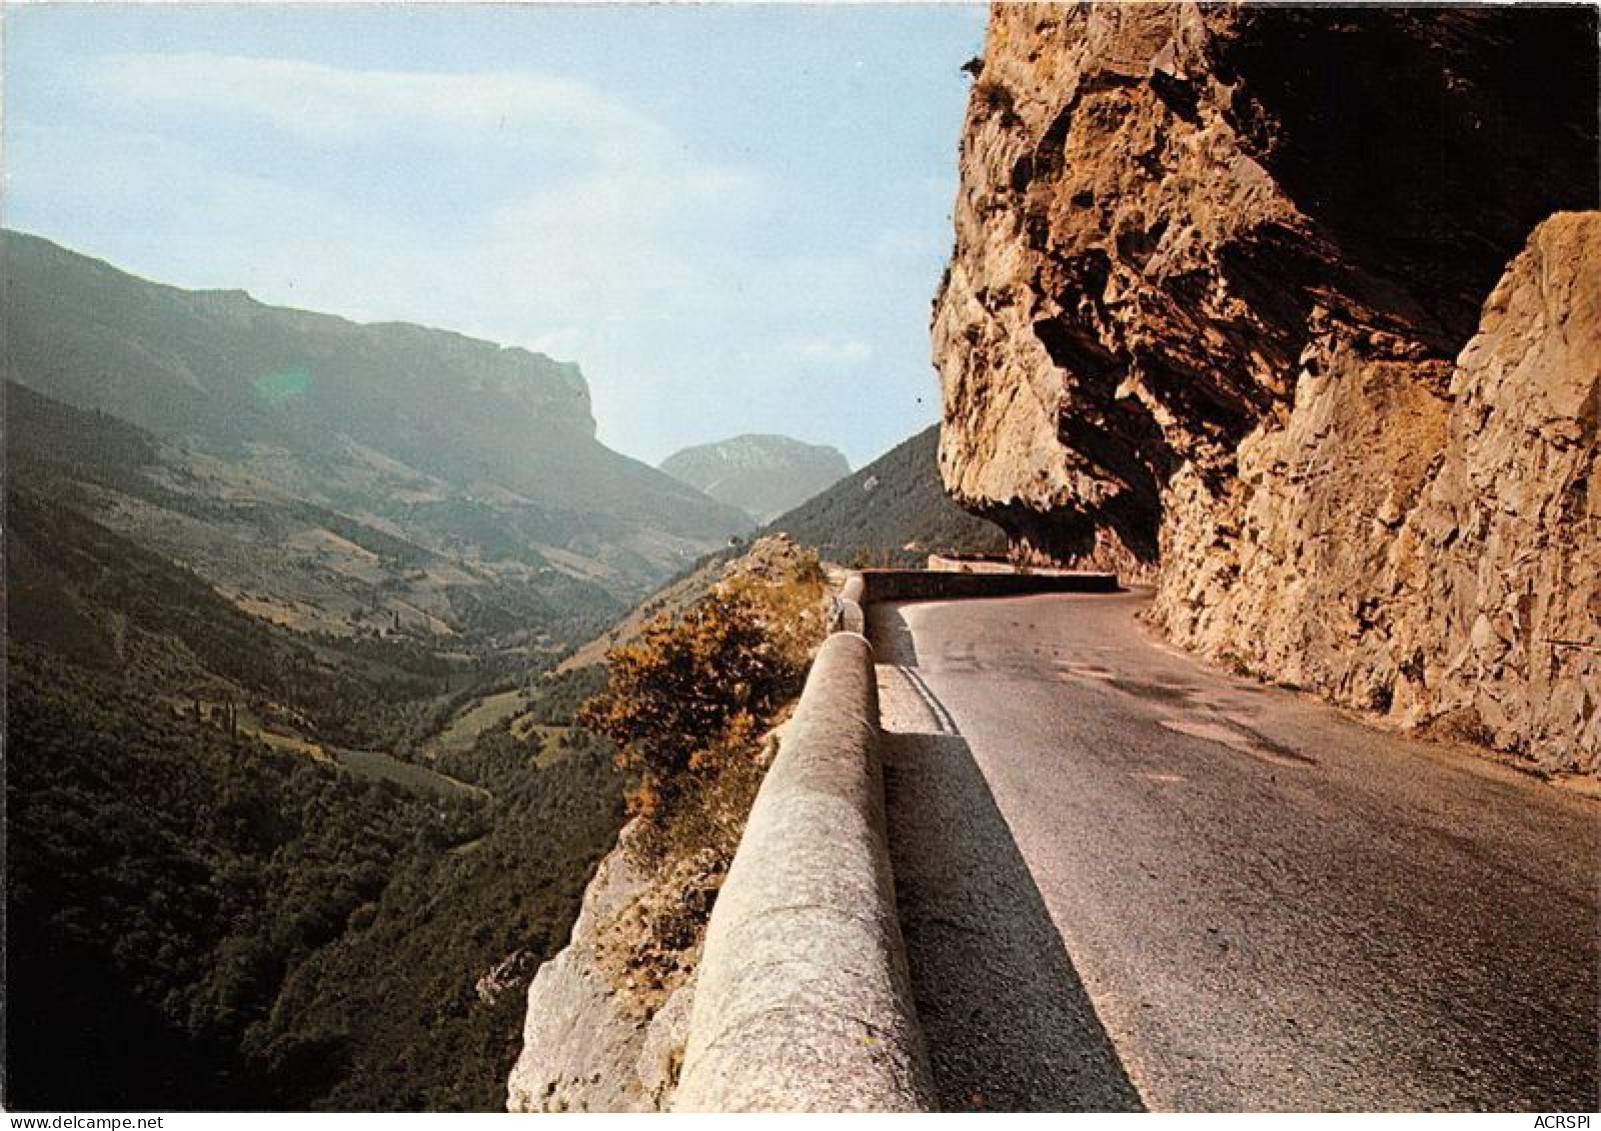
1128	880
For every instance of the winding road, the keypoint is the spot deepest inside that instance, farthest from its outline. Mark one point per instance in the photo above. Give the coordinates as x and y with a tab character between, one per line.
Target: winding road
1129	881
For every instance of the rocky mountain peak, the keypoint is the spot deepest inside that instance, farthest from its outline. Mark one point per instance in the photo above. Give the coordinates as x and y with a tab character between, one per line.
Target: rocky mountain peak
762	474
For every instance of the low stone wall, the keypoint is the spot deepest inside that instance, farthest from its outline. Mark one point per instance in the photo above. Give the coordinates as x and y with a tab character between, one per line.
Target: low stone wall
931	585
983	563
848	616
803	1002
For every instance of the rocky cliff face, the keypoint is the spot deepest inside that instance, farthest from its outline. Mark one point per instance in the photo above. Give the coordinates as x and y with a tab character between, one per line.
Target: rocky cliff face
597	1037
1221	314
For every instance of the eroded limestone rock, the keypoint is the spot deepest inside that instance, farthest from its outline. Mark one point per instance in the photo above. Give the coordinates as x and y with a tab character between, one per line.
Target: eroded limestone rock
1216	275
605	1031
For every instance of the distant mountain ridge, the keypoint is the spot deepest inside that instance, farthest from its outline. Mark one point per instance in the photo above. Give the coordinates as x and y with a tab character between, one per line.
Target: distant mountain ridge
282	558
894	511
761	473
442	437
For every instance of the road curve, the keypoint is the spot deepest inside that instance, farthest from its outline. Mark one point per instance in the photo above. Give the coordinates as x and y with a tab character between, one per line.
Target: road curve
1127	880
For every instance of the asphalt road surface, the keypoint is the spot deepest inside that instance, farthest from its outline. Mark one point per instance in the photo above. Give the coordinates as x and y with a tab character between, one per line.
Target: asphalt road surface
1128	880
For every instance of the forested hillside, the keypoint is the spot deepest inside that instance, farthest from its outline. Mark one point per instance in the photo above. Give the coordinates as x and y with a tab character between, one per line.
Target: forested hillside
893	512
213	901
271	840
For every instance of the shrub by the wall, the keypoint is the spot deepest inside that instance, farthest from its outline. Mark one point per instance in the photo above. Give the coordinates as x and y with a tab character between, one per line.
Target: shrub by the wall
689	700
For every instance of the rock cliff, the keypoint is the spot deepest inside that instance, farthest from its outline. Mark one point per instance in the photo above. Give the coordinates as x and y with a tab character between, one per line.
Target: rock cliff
597	1037
1223	313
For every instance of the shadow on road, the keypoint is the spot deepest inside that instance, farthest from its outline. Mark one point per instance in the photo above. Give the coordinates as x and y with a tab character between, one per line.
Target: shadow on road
1009	1025
891	636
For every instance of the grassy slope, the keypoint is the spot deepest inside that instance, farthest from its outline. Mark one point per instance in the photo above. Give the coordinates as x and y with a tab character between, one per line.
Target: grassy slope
329	572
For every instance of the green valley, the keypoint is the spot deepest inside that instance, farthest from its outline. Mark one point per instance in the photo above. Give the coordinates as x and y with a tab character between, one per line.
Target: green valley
293	814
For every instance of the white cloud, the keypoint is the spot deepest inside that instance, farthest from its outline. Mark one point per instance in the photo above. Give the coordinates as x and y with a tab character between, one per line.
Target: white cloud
652	238
331	104
833	351
592	205
165	207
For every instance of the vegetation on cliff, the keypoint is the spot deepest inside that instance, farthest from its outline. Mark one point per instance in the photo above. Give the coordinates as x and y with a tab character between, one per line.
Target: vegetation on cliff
689	699
694	693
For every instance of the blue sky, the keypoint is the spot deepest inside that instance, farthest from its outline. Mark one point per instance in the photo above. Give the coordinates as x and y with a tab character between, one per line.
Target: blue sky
733	217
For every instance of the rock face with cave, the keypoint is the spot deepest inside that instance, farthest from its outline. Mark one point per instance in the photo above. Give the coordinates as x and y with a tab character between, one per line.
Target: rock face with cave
1296	312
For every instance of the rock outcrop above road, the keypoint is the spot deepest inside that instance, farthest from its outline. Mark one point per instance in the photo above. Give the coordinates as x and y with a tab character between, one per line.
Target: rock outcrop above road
1224	311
